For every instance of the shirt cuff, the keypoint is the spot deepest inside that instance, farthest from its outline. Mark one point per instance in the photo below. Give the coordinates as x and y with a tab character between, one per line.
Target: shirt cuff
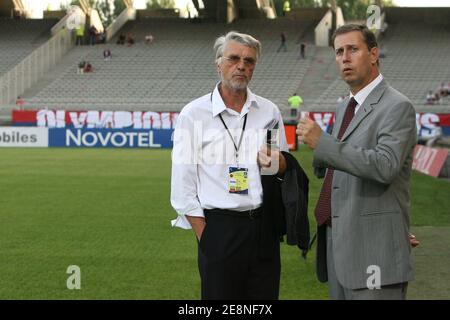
182	222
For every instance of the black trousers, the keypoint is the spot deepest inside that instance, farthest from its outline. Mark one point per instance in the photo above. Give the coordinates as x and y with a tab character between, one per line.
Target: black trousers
229	259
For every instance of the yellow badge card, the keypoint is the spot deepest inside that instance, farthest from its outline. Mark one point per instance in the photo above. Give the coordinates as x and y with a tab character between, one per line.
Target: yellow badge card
238	180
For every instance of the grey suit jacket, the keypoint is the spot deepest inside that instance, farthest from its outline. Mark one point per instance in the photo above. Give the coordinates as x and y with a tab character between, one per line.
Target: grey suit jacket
370	197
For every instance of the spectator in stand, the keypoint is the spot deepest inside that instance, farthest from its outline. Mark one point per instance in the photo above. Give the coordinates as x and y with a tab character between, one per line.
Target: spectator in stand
444	90
149	39
79	31
92	35
121	39
302	50
286	7
88	67
283	42
17	14
130	39
295	101
430	97
437	97
81	67
20	102
107	54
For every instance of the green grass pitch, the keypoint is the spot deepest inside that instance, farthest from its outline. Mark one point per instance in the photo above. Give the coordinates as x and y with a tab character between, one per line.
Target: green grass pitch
108	212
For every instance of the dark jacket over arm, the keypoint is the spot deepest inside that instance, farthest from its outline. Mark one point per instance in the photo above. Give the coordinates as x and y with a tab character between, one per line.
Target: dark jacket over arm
294	191
285	207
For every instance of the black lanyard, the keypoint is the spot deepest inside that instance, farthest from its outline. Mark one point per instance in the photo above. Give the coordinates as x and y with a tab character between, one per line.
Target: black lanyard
236	147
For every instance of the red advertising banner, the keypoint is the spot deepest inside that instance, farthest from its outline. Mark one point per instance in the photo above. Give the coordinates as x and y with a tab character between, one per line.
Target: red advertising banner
429	125
426	123
429	160
95	119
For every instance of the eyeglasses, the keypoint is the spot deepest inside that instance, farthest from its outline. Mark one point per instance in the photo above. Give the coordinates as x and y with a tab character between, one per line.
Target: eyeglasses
248	62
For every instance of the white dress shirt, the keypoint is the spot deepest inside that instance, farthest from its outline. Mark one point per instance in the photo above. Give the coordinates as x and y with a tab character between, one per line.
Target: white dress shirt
362	94
203	152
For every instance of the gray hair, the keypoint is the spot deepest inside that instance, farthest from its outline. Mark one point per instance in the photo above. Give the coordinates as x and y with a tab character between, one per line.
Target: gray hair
242	38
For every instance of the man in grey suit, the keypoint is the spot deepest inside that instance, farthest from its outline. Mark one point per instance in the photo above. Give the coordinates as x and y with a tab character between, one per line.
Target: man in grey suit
364	245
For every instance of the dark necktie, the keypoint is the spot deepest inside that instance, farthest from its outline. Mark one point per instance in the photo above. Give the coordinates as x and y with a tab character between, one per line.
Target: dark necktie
323	207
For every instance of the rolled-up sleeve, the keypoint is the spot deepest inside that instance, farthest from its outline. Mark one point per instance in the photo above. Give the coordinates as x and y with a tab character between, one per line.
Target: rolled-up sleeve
184	195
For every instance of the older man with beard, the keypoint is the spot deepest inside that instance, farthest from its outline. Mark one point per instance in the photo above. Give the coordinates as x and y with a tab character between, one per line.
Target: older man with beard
218	155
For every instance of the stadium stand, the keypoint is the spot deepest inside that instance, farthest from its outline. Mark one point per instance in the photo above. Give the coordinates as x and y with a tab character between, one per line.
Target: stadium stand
176	68
18	38
416	61
179	66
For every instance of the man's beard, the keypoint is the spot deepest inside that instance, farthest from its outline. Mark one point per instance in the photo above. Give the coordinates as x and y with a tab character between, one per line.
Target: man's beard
235	85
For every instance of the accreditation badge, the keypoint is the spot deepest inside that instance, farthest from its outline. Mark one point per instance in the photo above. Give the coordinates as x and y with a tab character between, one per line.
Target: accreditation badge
238	180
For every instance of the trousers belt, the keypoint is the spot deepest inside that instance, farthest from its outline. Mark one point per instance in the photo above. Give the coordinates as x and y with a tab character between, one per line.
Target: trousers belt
252	214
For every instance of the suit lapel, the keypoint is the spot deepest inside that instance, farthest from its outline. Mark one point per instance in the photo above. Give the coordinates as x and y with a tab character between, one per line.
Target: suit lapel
366	108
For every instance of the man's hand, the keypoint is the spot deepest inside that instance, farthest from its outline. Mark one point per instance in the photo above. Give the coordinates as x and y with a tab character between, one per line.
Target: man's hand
198	225
309	132
413	241
266	156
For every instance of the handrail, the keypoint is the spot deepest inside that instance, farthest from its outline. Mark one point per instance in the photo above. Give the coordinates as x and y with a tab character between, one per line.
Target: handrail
116	25
59	25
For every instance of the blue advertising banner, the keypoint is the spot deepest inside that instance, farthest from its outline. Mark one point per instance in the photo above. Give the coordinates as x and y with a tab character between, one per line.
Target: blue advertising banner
110	138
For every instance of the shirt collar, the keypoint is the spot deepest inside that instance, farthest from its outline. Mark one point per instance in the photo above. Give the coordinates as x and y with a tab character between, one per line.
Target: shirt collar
218	106
362	94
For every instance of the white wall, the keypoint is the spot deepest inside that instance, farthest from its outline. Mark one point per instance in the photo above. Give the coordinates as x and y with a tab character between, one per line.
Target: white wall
322	30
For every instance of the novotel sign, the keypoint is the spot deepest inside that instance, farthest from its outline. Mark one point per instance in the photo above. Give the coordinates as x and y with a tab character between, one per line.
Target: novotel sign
110	138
